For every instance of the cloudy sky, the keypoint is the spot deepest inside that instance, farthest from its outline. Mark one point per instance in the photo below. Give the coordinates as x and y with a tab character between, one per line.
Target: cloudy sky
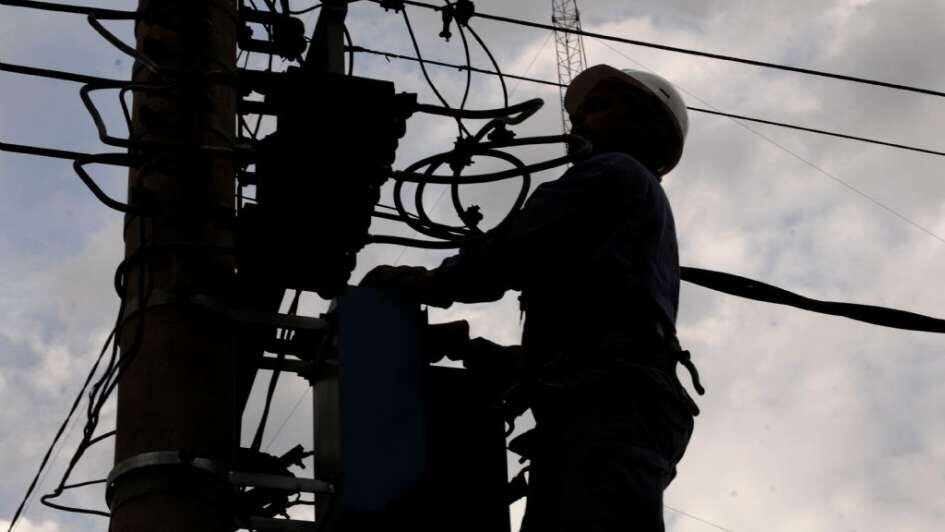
810	423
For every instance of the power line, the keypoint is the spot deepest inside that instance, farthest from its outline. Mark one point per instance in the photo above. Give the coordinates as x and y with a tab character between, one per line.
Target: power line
288	417
98	12
698	53
750	129
531	64
58	74
794	154
753	131
392	55
716	112
119	159
821	132
701	520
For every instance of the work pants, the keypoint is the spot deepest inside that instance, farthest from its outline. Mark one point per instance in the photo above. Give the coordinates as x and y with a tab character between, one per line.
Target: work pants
606	451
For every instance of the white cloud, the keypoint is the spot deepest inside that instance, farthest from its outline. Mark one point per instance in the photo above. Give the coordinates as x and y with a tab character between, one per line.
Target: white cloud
25	525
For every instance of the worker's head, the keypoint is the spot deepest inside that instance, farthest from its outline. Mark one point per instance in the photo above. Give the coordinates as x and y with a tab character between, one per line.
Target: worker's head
629	111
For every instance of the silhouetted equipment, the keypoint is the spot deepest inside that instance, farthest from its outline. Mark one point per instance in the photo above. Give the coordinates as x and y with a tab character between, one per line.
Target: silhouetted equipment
266	501
310	222
410	446
286	34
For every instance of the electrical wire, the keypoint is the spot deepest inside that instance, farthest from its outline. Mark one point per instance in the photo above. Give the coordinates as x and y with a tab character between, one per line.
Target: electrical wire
80	160
106	384
698	53
697	518
736	119
532	63
495	64
102	13
462	26
57	74
821	132
392	55
461	156
287	418
426	75
53	153
120	45
350	45
274	378
306	10
481	149
95	402
825	132
62	427
466	53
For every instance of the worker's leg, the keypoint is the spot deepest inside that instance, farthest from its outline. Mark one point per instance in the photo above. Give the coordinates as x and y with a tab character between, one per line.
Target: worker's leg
609	452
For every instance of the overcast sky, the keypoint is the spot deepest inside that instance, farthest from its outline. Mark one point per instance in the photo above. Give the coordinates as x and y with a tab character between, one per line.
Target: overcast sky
810	423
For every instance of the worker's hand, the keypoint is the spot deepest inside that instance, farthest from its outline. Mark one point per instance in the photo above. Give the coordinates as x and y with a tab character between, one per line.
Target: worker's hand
410	282
489	357
496	367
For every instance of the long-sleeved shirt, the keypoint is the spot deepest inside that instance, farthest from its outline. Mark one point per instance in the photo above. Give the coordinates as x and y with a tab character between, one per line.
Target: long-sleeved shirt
593	252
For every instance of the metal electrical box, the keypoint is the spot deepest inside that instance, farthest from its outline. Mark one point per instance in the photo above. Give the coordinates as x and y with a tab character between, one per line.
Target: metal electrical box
410	446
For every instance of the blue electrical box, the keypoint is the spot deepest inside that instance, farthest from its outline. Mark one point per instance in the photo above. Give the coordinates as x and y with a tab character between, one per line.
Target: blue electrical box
410	446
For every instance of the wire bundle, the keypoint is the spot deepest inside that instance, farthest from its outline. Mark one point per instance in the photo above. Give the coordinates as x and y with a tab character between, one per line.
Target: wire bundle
489	141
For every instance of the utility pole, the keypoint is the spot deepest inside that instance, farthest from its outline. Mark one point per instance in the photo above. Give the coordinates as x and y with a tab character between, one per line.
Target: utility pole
177	395
569	48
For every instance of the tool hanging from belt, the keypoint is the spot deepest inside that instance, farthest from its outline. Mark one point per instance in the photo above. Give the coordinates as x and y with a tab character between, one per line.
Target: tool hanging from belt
682	356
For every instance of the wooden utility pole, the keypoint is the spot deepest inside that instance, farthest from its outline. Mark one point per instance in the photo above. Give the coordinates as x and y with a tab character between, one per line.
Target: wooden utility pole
177	394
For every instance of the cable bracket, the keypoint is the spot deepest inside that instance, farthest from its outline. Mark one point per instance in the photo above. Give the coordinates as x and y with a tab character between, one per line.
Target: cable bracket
126	481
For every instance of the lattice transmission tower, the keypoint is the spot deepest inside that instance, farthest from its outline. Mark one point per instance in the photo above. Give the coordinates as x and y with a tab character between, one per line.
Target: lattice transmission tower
569	47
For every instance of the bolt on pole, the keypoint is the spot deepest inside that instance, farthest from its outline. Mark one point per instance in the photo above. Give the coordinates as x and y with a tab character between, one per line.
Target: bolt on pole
177	388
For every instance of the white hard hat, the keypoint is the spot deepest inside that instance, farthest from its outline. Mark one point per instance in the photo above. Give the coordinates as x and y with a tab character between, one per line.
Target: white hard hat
649	83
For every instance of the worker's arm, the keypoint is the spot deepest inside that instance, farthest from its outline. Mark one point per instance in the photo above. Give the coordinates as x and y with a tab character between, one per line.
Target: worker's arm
564	222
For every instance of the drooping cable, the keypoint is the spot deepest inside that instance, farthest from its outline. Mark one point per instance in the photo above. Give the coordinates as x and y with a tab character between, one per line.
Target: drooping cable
62	427
495	64
462	24
426	75
106	384
468	56
756	290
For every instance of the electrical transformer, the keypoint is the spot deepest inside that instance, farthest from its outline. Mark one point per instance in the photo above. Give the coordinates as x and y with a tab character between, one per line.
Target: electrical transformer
409	446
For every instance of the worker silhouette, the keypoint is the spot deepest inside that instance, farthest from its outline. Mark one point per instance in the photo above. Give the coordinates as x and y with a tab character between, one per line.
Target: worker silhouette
595	257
